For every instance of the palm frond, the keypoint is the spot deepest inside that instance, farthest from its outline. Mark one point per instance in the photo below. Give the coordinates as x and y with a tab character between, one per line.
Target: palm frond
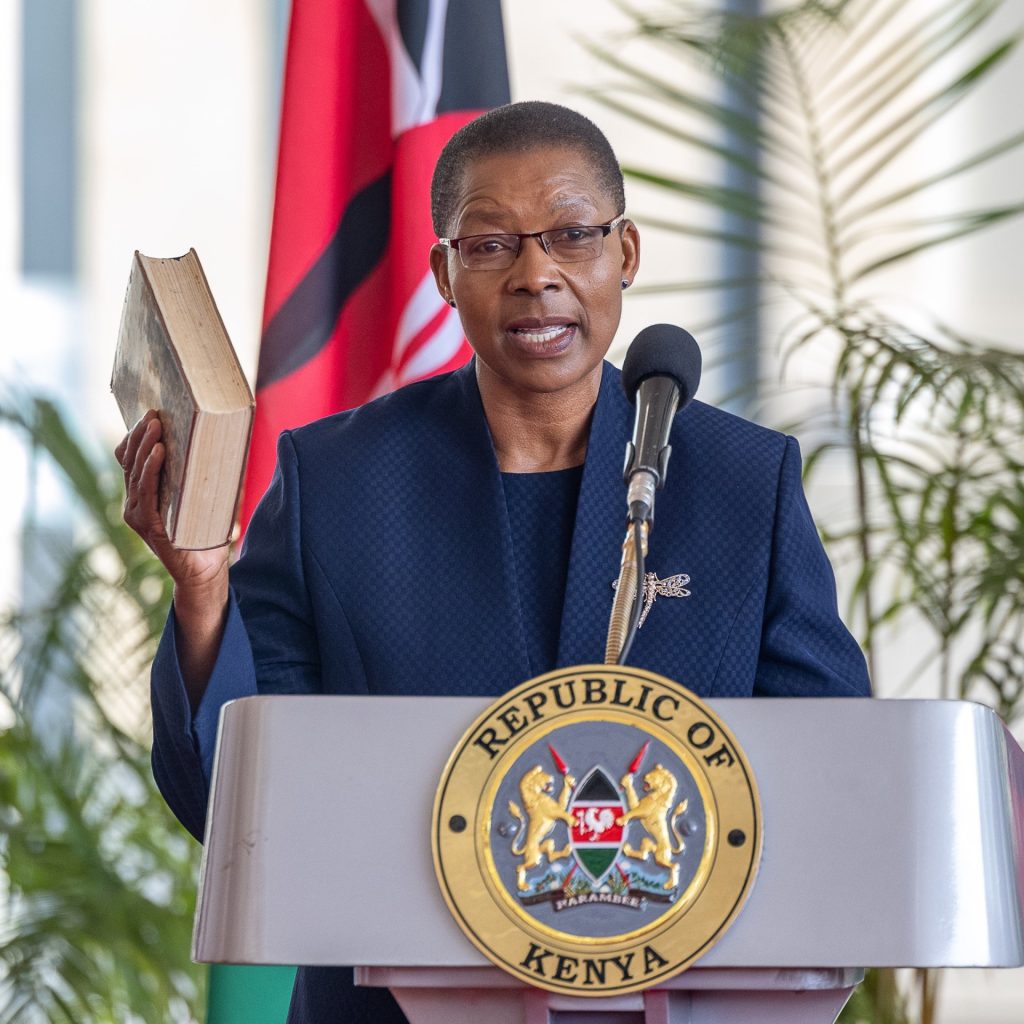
815	102
99	879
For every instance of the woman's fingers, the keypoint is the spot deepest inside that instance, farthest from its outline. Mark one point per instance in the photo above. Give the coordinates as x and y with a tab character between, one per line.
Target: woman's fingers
127	451
149	439
141	454
146	487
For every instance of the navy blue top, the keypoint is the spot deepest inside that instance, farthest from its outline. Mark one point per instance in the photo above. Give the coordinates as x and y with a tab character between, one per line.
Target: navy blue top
541	517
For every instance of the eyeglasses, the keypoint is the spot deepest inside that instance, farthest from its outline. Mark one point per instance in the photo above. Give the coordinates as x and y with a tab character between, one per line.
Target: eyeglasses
575	243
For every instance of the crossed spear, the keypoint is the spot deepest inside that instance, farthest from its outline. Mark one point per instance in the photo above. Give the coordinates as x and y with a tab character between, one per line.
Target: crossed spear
564	768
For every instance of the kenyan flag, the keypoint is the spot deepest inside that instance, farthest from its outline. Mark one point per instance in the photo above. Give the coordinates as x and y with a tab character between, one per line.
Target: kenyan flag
373	89
596	838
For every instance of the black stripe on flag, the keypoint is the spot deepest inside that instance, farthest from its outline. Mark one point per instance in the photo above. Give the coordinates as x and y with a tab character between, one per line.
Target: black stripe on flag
413	18
306	319
475	72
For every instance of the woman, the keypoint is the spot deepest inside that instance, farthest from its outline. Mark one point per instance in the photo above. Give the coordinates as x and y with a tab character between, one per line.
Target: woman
462	534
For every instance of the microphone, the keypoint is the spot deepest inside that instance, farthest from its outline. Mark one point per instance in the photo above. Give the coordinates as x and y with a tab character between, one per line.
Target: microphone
660	376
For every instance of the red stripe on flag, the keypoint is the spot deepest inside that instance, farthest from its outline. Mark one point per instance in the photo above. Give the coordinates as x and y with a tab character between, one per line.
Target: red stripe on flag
335	133
333	380
277	410
412	235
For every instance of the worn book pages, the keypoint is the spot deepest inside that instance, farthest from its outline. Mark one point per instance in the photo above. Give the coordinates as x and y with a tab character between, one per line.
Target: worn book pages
174	356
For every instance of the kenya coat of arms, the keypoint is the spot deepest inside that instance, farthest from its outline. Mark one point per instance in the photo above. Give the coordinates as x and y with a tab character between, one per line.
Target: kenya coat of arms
609	816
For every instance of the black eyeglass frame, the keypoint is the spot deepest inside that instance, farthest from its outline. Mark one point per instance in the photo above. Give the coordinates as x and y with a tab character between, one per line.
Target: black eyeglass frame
606	230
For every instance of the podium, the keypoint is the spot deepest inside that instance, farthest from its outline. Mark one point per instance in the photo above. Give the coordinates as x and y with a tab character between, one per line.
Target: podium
893	837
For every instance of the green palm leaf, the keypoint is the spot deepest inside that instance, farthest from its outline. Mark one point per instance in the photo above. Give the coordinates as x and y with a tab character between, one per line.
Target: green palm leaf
100	882
816	105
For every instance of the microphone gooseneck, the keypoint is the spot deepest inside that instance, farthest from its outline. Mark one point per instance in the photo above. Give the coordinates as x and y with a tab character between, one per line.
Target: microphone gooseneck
660	376
622	624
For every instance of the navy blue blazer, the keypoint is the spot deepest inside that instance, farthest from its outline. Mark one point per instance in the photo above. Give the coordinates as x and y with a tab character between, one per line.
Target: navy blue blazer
380	562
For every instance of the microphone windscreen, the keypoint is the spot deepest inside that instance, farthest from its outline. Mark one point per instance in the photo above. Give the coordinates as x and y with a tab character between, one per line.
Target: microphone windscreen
663	350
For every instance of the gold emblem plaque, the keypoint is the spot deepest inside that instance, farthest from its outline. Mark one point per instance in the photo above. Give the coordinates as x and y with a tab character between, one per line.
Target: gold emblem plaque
596	830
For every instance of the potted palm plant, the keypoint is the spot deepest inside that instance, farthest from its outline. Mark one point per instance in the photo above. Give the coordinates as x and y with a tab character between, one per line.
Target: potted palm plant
809	128
99	884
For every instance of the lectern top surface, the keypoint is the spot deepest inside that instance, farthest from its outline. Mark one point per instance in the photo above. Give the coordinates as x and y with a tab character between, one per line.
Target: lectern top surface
893	834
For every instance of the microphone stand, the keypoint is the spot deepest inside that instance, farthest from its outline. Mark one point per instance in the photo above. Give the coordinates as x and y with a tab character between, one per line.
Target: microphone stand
629	594
661	372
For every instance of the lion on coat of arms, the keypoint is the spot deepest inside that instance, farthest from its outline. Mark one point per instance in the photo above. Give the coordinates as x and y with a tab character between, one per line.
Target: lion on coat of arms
543	812
652	811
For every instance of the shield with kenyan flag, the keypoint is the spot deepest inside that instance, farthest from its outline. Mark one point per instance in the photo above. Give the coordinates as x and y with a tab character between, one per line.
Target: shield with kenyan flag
596	837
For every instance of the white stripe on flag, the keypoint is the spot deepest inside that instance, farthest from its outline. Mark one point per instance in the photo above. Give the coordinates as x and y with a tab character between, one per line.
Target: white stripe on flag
447	340
421	308
414	93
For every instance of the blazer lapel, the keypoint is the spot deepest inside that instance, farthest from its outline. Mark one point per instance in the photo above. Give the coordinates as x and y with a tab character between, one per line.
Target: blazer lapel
599	531
481	531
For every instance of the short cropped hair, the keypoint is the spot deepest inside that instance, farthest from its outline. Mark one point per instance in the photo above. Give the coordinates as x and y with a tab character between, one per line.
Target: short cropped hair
520	128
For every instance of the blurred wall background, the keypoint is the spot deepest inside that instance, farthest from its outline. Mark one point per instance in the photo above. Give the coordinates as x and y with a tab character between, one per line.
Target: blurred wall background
130	126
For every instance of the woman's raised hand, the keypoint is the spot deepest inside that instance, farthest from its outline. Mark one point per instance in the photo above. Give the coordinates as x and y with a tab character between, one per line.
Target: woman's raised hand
141	455
200	577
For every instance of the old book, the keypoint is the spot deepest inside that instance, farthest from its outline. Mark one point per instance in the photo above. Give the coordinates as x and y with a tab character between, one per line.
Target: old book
174	356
